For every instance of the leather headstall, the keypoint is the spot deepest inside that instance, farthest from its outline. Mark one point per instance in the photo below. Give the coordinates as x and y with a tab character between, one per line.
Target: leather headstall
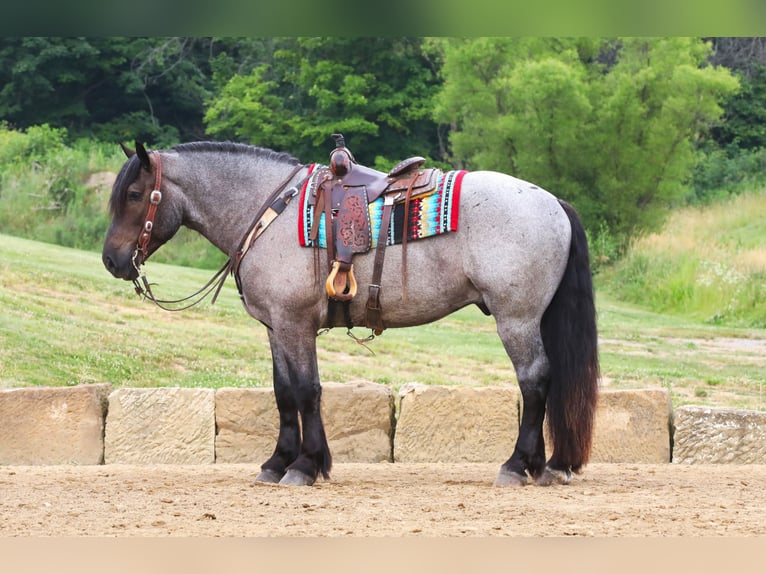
154	200
274	205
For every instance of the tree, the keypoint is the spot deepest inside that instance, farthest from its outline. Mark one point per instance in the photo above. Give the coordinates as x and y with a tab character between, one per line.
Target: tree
151	89
606	124
377	91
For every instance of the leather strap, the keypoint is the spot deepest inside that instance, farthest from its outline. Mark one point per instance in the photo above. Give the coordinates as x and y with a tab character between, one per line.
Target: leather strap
374	319
273	206
154	201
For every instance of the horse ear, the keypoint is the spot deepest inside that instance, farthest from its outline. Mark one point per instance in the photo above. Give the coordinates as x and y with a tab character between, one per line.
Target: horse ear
128	152
143	156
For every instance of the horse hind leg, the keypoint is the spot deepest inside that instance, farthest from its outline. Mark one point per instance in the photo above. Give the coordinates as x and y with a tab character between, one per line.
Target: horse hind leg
524	346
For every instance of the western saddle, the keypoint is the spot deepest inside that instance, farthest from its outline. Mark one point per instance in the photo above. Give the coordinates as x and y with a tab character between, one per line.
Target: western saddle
344	190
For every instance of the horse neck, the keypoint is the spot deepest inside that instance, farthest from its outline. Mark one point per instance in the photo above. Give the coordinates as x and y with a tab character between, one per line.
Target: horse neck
222	193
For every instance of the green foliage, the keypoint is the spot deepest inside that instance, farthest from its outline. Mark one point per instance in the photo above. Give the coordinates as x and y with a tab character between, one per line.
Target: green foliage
722	172
113	88
708	264
377	91
43	191
744	122
607	124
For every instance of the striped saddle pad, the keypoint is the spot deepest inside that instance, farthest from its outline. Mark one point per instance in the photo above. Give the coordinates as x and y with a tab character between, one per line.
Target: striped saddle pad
430	214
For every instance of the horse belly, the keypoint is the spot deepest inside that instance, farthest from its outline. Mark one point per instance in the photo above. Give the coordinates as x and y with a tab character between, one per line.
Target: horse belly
434	286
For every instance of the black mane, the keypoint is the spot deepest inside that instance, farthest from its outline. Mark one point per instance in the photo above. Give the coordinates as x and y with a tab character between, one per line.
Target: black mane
132	167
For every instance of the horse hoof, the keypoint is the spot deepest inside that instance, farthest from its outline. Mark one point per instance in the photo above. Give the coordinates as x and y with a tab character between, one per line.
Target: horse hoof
508	478
551	476
269	476
296	478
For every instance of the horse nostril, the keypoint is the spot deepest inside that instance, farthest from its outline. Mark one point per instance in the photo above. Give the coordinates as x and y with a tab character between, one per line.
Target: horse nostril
109	264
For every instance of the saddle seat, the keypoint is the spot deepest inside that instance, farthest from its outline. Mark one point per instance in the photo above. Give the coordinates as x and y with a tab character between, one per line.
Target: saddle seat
399	179
403	177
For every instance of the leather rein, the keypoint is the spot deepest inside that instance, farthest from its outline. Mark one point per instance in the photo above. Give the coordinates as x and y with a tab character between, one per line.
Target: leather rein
273	206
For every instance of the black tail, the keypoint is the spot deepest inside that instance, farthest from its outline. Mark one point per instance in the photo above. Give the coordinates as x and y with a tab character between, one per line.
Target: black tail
570	338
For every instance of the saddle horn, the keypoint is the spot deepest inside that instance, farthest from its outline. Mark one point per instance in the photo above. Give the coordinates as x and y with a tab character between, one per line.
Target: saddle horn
341	158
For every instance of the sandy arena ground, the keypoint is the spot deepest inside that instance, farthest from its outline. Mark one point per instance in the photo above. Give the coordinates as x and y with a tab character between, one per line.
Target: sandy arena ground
370	500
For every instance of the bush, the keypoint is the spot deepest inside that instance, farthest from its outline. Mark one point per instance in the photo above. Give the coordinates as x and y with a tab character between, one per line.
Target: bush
43	186
722	172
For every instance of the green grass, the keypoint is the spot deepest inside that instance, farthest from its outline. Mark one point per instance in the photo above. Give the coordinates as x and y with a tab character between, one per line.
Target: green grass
708	263
66	321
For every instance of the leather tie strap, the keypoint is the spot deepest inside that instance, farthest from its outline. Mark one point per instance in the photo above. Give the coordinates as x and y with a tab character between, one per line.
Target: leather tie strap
405	235
374	319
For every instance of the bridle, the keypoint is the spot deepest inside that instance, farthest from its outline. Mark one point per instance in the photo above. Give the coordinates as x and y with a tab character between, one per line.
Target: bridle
146	230
143	287
273	206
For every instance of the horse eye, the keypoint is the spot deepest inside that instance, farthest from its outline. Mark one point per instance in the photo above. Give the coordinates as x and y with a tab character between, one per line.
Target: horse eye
135	195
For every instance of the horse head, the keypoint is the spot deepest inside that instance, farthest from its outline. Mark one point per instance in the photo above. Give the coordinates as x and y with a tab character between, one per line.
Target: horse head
143	217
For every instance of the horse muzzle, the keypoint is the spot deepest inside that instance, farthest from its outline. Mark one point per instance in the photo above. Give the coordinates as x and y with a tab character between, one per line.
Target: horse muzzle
122	265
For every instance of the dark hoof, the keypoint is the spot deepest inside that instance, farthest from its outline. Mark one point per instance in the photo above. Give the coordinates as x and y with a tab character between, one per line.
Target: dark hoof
508	478
269	476
551	476
296	478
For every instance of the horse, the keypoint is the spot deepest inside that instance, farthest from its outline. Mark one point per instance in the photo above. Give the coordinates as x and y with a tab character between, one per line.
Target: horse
520	254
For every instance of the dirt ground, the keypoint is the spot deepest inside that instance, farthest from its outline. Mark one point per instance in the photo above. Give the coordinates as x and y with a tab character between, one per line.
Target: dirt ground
370	500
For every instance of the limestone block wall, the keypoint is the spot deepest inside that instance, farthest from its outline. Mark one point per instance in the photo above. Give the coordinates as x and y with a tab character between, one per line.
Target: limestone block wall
94	424
358	419
706	435
456	424
160	425
632	426
61	425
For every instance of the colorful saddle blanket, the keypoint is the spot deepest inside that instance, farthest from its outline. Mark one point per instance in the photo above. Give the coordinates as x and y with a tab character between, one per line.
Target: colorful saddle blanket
432	214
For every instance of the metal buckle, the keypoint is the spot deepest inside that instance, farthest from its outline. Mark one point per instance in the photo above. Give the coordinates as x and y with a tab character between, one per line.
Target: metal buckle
155	197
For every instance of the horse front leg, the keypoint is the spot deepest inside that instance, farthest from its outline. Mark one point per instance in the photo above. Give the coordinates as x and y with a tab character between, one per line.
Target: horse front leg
289	439
302	452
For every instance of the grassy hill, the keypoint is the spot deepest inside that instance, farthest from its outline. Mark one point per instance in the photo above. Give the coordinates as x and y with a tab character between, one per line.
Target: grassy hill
66	321
708	263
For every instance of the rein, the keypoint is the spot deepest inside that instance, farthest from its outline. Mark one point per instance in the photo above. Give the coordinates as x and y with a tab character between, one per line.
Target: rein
274	205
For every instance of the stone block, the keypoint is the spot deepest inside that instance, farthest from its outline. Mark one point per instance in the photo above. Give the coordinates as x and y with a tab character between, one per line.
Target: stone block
358	419
632	426
456	424
248	425
705	435
53	425
160	426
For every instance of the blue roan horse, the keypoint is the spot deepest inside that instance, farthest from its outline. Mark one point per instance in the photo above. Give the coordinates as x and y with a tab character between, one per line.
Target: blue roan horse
520	254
